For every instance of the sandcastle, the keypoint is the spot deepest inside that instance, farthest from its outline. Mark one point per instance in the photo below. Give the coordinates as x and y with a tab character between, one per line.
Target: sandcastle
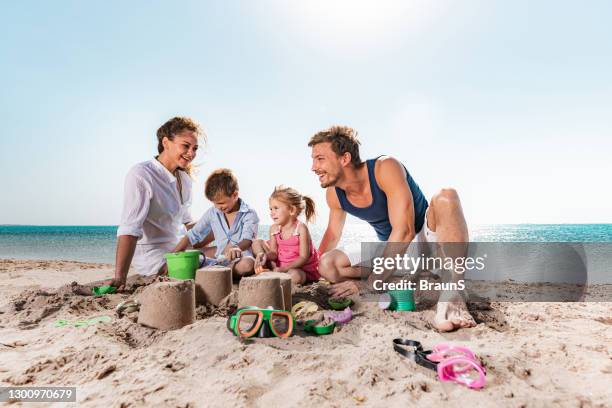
167	305
213	283
265	290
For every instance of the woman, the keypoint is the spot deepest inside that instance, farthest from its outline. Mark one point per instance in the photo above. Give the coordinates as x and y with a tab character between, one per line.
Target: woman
157	197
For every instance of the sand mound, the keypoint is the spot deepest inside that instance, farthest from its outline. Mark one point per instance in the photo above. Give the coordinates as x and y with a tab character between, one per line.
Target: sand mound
167	305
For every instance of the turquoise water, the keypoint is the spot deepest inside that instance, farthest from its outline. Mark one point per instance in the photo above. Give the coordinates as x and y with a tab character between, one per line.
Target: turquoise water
97	243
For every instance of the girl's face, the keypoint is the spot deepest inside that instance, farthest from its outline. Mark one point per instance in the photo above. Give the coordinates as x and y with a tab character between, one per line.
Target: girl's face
182	149
280	212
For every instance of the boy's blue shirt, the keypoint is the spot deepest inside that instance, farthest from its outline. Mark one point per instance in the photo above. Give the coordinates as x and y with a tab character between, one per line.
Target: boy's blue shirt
244	227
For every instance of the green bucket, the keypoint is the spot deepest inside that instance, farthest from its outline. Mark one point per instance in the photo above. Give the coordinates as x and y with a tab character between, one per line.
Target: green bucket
183	265
402	300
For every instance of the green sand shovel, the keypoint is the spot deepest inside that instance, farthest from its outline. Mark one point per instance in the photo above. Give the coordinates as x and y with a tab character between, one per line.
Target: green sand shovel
103	290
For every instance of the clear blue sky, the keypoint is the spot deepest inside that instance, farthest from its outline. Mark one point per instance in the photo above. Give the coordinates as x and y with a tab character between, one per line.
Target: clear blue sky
510	102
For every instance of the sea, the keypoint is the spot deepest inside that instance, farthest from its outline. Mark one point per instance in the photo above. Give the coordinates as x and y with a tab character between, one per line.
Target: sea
97	243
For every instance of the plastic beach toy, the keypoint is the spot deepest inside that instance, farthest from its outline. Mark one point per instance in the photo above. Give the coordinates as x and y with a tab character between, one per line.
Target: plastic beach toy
339	303
127	306
399	300
103	290
303	309
452	363
313	327
83	322
402	300
254	321
183	265
342	317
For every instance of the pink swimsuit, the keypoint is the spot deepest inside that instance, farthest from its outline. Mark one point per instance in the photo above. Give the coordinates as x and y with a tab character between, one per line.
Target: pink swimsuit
289	251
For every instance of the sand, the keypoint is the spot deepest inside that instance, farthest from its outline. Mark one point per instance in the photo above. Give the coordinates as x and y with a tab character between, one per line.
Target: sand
167	305
213	283
535	354
262	292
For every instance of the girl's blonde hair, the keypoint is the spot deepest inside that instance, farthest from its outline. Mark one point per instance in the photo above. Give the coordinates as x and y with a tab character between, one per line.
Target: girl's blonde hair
291	197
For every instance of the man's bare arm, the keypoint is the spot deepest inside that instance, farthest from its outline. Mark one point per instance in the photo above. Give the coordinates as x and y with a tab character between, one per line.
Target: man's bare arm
391	178
335	224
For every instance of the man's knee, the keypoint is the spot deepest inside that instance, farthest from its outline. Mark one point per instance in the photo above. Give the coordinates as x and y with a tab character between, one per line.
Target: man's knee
445	198
327	266
326	262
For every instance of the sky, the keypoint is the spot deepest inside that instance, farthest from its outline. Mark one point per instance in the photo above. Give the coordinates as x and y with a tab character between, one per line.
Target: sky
509	102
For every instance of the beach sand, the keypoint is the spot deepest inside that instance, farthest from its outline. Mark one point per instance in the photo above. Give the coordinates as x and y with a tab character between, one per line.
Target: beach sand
535	354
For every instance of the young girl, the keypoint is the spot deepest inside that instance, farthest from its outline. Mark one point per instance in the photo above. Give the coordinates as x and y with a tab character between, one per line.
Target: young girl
290	247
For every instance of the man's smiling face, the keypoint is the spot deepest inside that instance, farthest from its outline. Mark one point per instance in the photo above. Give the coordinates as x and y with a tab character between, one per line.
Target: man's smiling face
326	164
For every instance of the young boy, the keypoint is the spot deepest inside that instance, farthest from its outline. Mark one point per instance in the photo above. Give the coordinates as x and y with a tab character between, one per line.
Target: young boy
231	223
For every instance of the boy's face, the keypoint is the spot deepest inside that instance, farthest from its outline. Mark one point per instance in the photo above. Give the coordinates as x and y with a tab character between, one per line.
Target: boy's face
225	203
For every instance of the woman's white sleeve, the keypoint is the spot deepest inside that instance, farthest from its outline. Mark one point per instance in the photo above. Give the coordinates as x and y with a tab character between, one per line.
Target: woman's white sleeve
136	202
186	217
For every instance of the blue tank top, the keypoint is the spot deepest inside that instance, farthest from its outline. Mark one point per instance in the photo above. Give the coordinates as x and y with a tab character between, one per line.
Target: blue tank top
377	214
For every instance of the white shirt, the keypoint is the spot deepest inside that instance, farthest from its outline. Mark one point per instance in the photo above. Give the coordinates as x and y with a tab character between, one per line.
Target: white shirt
154	212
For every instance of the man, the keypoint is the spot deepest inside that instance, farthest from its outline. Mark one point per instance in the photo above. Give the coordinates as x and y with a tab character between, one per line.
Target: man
382	192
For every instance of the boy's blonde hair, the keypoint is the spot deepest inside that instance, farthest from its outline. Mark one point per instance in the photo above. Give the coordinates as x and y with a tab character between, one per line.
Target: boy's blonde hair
291	197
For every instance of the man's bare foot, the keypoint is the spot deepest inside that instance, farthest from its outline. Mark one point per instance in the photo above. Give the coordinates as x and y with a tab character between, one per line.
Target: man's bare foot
452	313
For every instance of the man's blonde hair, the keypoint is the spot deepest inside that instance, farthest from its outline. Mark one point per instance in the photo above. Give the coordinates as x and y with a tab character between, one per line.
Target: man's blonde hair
343	139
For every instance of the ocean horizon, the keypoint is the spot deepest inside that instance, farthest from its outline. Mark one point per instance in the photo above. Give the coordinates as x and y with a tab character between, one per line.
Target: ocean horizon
92	243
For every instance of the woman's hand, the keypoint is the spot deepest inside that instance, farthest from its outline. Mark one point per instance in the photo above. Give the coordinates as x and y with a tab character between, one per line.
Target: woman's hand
163	271
116	282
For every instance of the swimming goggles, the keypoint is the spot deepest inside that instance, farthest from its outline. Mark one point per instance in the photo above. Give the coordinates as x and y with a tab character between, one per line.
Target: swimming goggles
256	322
452	363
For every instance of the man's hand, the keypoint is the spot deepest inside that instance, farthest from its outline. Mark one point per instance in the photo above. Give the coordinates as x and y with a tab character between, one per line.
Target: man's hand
344	289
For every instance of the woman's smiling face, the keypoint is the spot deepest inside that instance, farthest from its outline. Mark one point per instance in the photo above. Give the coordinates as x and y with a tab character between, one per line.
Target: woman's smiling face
182	149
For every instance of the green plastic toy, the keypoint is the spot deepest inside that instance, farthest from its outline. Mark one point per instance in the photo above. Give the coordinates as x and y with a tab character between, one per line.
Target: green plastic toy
402	300
311	326
183	265
103	290
83	322
339	303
